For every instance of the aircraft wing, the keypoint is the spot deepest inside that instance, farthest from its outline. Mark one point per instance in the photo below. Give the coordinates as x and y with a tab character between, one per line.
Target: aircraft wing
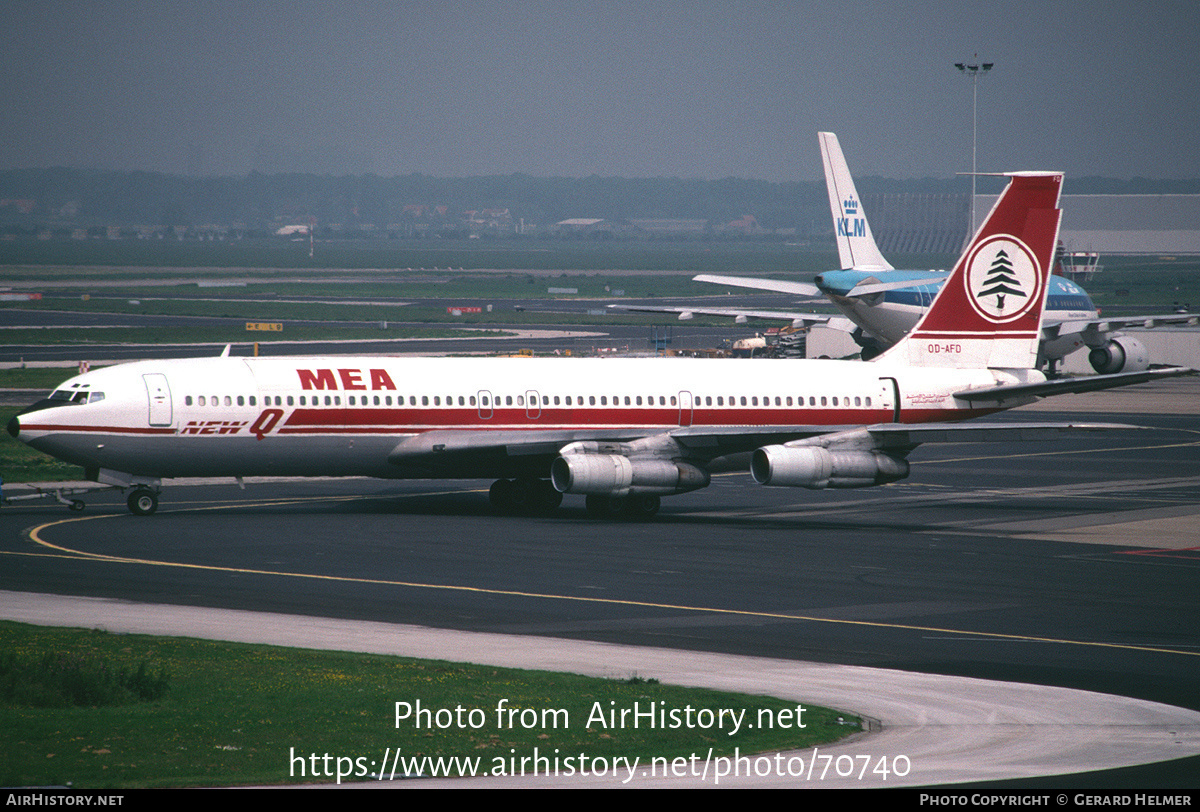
710	442
737	313
684	459
891	435
1006	393
897	435
800	289
1100	326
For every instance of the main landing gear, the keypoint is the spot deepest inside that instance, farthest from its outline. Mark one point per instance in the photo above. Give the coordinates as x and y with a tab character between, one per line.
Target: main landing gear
142	501
536	497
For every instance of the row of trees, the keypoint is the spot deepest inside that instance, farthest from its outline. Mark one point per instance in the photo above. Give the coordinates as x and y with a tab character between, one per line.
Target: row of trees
74	198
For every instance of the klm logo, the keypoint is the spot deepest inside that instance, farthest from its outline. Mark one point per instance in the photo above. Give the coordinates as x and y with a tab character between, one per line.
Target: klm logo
852	227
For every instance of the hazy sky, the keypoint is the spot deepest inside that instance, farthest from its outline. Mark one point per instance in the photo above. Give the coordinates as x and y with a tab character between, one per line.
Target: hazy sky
573	88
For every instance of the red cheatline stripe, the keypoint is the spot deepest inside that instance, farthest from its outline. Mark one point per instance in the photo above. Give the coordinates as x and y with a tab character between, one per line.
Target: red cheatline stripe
104	429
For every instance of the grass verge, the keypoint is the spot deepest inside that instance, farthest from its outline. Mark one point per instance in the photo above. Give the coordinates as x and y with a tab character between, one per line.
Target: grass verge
238	714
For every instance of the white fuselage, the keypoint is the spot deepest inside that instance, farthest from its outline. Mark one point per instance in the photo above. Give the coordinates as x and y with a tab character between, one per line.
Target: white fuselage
344	416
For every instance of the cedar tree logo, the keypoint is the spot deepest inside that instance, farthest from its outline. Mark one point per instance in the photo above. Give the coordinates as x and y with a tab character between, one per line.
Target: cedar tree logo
1002	279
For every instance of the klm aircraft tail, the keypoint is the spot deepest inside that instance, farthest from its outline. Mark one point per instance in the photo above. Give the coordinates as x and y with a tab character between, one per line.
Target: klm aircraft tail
856	247
988	314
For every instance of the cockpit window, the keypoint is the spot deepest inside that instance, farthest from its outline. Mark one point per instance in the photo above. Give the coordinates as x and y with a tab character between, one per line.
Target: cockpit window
66	396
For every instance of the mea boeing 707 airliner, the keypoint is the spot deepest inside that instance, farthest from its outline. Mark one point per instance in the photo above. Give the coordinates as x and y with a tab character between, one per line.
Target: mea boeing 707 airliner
622	432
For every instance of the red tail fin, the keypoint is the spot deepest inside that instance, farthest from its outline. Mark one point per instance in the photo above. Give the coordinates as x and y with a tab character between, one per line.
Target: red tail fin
989	311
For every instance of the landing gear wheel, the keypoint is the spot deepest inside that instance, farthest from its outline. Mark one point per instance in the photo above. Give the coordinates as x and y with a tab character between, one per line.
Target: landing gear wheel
76	505
142	502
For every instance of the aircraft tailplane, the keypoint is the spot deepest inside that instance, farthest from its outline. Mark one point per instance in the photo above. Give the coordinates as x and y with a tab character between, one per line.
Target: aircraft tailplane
988	313
856	247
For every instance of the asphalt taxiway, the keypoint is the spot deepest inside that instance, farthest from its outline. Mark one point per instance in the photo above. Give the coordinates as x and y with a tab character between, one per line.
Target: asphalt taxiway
1067	565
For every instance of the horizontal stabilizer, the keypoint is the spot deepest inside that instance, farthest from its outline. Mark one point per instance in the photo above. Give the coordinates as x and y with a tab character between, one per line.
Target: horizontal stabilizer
685	313
1066	386
883	287
804	289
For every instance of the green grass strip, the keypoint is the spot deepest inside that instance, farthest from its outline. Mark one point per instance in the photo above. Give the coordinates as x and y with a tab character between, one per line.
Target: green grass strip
236	714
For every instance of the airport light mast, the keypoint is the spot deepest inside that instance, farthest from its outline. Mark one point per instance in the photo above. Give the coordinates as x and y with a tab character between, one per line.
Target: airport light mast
974	71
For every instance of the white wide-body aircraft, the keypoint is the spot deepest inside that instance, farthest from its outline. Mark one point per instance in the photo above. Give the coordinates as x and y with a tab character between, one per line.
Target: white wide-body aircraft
622	432
881	304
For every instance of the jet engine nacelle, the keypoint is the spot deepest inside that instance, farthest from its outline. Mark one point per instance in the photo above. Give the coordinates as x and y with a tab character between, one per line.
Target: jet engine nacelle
1121	354
615	474
815	467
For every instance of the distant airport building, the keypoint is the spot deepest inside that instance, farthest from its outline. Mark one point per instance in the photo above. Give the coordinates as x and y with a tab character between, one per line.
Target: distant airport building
1132	224
1109	224
595	227
672	226
292	231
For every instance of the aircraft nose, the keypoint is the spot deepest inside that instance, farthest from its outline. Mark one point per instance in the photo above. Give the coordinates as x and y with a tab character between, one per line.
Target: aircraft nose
14	427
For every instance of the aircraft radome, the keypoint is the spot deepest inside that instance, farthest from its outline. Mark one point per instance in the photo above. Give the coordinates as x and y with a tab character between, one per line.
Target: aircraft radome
622	432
